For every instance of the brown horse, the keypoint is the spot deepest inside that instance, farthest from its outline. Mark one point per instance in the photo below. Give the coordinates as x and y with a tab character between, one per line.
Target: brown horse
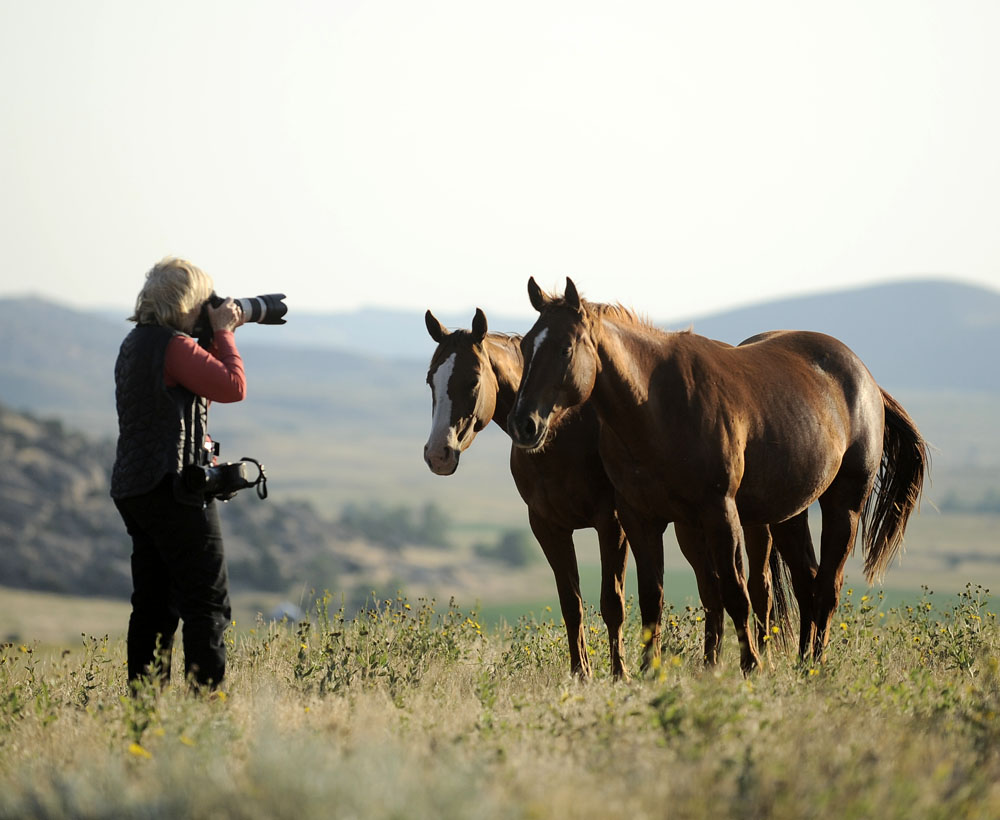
716	438
474	377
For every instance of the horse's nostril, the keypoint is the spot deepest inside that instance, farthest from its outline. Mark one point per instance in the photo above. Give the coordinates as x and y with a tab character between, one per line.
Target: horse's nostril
528	428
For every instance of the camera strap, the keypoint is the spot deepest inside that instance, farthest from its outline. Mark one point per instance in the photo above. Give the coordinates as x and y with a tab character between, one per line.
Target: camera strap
261	483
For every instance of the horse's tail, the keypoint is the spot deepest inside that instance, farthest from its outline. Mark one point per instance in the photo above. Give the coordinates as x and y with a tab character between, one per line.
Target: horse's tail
900	480
782	603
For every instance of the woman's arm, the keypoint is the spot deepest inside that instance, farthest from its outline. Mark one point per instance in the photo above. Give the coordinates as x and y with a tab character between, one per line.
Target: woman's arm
217	374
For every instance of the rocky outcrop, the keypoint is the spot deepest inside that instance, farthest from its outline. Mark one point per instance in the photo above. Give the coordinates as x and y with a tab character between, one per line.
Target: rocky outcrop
59	530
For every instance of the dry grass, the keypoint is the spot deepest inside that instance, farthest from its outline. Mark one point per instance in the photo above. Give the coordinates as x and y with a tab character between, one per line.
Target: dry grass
411	712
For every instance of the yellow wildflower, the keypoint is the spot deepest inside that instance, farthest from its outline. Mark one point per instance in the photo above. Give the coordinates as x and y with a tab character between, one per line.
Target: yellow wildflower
138	751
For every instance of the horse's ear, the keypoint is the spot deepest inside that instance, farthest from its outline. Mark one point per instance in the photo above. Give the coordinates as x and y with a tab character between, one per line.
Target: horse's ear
479	326
571	296
434	327
537	296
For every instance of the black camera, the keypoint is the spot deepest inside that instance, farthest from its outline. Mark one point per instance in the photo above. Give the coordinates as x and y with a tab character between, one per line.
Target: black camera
223	481
268	309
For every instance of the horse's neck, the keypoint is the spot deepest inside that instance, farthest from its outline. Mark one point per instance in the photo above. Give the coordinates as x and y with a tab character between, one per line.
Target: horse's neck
507	364
628	354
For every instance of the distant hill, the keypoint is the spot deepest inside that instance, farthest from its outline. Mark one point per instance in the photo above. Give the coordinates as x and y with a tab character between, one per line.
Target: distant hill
55	360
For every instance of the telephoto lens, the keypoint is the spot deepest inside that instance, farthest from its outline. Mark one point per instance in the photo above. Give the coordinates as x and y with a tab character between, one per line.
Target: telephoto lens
265	310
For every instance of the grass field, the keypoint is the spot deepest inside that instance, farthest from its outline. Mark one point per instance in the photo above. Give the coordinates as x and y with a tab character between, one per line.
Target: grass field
408	711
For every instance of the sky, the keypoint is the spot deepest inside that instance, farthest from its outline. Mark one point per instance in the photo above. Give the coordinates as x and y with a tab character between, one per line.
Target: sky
678	157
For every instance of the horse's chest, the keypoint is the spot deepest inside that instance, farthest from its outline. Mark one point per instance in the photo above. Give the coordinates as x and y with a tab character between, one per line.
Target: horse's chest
564	486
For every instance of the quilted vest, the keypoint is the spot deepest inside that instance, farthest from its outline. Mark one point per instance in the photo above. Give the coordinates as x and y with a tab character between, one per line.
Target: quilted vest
160	429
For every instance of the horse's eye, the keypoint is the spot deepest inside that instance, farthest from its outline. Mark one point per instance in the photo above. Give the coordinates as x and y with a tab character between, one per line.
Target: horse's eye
567	351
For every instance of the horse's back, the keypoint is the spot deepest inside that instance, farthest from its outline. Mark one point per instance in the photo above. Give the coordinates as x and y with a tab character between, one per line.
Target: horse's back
799	356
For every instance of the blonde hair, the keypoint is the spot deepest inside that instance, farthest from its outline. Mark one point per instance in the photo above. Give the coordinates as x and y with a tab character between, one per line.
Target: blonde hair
174	287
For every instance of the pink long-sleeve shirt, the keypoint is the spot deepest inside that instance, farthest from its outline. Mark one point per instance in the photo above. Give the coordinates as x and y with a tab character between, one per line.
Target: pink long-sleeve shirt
216	374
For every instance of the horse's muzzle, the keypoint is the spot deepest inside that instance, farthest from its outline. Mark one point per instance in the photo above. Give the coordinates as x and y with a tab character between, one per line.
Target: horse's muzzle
528	431
442	460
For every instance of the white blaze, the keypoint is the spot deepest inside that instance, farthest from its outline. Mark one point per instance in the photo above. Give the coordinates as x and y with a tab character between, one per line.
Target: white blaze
538	341
441	420
534	352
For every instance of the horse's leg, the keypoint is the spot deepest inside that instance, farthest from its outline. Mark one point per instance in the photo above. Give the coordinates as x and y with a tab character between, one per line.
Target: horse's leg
758	543
724	538
645	538
793	540
842	504
692	544
557	544
614	557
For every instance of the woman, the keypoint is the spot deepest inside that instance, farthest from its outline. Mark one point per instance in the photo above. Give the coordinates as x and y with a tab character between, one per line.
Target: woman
164	381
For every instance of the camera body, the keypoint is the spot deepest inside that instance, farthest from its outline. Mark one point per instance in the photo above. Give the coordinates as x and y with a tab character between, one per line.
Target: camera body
268	309
223	481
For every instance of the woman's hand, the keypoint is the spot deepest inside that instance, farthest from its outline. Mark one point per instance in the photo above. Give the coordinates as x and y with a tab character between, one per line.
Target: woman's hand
227	316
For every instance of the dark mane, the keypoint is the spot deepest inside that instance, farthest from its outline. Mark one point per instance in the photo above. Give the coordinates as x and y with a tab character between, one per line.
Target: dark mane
619	312
498	335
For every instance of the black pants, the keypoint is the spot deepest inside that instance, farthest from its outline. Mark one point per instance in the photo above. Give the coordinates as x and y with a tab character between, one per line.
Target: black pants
178	573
